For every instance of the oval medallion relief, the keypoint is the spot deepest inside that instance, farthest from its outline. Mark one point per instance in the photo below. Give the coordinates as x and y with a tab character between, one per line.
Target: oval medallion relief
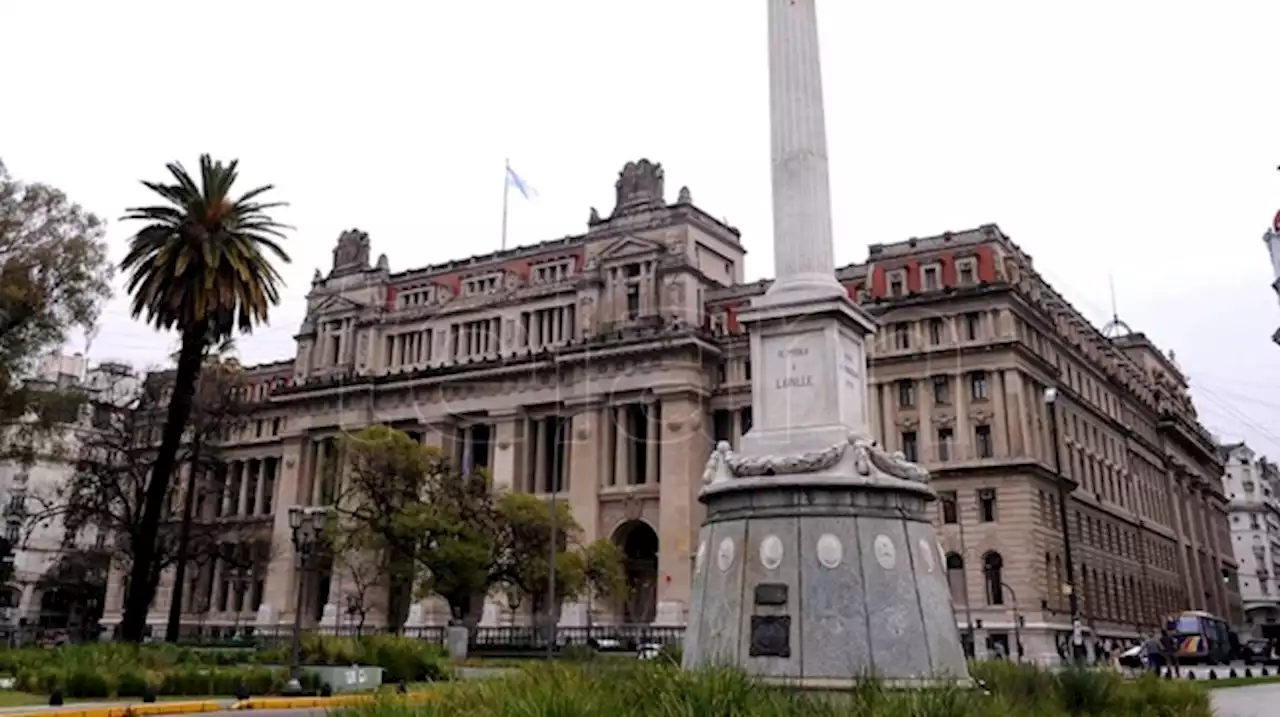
724	558
771	552
886	554
830	551
927	552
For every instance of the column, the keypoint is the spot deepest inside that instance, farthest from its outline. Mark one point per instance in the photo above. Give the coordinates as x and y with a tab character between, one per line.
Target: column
249	487
505	447
679	512
280	587
586	458
999	422
1017	416
653	442
318	466
539	457
964	443
802	239
622	444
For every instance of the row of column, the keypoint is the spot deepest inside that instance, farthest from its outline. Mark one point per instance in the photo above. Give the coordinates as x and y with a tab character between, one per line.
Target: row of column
250	487
409	349
546	327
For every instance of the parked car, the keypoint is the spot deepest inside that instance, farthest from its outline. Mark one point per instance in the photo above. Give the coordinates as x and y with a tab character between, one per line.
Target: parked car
1260	652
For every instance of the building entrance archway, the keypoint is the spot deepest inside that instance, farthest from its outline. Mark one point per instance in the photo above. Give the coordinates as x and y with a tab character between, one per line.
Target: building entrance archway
639	545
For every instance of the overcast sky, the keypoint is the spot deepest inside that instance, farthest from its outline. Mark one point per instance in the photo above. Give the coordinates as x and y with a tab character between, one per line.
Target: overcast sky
1136	140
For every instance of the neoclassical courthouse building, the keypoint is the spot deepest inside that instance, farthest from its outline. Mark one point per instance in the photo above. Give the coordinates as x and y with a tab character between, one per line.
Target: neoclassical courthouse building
627	336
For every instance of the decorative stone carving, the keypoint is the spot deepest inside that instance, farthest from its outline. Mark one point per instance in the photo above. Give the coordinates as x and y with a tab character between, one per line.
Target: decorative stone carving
362	349
674	295
684	197
587	314
383	264
594	218
317	279
639	187
908	423
352	251
868	458
943	420
512	281
981	415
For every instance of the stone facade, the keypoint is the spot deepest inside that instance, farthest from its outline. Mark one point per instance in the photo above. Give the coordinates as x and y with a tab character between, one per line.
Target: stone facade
629	334
1253	488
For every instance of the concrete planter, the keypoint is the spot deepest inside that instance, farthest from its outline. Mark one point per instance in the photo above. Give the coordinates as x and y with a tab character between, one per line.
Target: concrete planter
361	678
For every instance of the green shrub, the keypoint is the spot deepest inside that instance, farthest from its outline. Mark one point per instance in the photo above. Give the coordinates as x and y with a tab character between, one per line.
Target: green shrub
607	688
132	682
87	683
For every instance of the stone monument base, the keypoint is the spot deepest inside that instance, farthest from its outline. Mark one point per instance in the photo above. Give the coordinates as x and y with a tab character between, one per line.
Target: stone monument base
819	580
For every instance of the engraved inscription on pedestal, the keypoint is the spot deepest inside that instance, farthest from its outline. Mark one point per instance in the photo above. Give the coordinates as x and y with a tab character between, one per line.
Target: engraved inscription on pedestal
796	392
853	366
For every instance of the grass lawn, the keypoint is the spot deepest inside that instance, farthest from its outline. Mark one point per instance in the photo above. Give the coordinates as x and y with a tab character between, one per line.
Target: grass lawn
10	698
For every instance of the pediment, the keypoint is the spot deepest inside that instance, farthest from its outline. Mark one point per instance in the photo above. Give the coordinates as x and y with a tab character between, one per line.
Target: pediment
335	304
629	246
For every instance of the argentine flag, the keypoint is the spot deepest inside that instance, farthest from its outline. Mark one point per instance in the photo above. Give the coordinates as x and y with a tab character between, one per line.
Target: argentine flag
514	180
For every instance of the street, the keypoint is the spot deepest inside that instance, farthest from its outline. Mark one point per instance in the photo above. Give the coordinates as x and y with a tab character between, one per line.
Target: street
1254	701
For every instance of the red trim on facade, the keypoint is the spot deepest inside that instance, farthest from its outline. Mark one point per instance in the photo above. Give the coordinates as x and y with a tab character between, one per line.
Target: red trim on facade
986	265
913	276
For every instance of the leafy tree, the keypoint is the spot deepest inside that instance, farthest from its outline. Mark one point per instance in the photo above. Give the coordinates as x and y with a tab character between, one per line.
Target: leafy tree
54	277
592	570
78	583
430	525
202	264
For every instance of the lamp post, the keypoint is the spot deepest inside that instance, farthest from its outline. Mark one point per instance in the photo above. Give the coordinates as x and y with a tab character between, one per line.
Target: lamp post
307	526
1073	600
557	438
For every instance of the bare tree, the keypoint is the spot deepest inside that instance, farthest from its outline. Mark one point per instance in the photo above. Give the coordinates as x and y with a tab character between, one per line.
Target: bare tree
113	469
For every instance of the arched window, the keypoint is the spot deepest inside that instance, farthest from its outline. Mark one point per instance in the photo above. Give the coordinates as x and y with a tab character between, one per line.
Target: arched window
956	580
993	572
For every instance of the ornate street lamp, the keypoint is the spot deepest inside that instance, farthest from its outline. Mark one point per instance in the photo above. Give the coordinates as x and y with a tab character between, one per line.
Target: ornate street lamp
307	526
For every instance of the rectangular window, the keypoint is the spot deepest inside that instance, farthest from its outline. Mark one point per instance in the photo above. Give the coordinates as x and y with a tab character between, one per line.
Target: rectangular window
987	505
982	441
949	512
972	325
931	278
964	272
941	390
901	336
906	394
935	331
978	385
910	449
633	301
945	438
895	286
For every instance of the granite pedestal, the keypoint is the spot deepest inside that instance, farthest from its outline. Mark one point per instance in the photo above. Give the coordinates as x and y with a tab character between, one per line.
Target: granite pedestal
820	580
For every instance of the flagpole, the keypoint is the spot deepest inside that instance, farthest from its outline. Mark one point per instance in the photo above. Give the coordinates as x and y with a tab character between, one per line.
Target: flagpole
506	190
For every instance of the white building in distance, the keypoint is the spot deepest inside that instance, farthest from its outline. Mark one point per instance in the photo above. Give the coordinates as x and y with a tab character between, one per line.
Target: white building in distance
28	488
1252	486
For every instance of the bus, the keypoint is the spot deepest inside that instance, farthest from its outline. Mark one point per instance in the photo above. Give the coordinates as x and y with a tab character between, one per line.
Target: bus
1201	638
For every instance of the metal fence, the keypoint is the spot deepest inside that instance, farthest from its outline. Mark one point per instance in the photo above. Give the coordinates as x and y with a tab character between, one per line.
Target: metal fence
509	641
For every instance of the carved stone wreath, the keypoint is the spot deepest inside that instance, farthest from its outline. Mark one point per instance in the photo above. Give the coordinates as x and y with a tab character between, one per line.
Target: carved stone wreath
868	458
744	466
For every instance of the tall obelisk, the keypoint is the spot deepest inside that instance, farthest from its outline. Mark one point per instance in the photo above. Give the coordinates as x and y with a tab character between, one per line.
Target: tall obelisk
817	564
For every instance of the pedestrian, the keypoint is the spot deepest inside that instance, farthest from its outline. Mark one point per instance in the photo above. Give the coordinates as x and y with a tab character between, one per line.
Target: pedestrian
1169	651
1152	651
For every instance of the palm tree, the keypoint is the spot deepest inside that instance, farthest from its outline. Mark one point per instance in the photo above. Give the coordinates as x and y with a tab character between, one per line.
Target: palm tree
202	264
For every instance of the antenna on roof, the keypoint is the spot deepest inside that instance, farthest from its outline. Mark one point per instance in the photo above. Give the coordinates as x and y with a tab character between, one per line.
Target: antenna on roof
1115	328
